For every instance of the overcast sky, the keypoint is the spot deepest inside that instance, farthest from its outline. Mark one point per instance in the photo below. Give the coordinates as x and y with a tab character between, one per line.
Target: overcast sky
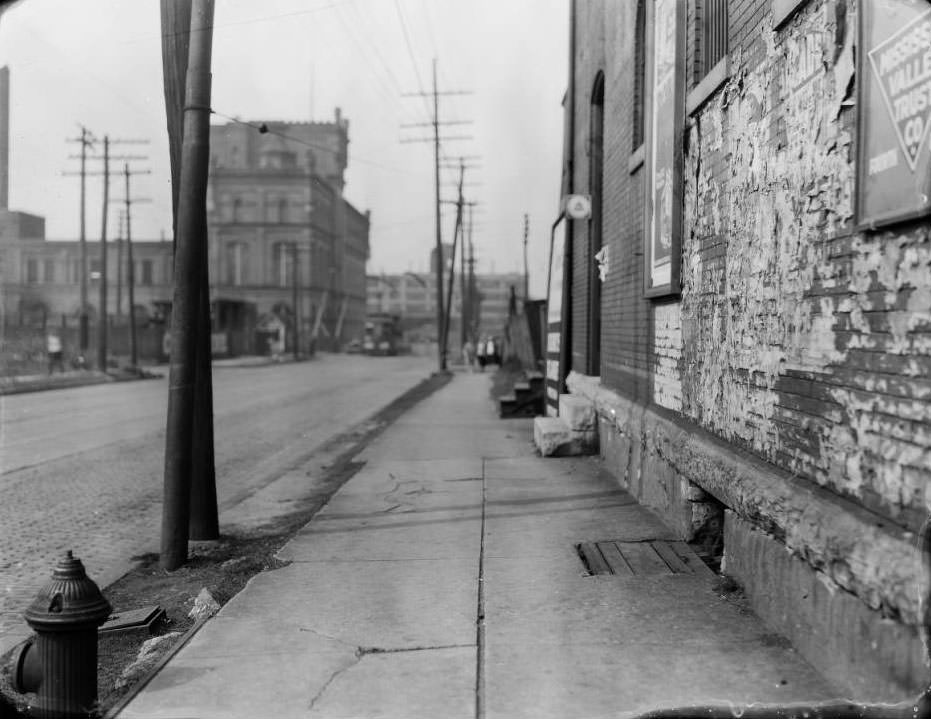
98	63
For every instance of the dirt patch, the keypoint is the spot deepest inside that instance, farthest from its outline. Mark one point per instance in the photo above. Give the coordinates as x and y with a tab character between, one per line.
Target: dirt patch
222	568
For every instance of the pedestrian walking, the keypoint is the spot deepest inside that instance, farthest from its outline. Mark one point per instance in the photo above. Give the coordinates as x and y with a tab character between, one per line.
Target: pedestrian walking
54	350
480	354
491	352
468	354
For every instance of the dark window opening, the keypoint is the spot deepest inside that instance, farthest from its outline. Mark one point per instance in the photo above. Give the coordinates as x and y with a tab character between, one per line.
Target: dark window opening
146	272
639	74
595	184
712	41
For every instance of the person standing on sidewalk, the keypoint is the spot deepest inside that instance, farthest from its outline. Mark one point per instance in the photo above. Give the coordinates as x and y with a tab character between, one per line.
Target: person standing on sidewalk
468	355
54	349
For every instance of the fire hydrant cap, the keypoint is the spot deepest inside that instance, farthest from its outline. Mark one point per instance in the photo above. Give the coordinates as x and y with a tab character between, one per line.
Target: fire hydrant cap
70	601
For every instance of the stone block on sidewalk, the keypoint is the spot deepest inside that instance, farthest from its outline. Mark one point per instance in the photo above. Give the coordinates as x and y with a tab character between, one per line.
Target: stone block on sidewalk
551	436
577	412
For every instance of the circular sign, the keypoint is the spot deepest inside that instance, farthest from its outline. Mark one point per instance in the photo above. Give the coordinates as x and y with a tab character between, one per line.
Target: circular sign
578	207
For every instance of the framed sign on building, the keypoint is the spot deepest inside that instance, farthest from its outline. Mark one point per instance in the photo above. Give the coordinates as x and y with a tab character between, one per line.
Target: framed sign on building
665	119
894	163
555	370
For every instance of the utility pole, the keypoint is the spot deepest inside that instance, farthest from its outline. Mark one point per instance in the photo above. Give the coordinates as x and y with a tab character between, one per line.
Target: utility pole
294	299
177	29
119	268
190	260
463	312
441	342
102	315
130	264
472	289
102	322
87	140
526	270
452	264
435	122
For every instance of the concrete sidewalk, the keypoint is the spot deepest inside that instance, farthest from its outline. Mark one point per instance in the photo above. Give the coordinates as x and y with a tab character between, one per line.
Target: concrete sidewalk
443	580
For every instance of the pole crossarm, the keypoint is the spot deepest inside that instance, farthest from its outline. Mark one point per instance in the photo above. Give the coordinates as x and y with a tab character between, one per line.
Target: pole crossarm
436	93
431	124
405	141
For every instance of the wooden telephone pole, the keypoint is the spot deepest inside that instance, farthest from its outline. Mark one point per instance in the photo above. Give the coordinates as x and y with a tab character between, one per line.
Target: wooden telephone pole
130	264
103	315
185	488
435	122
526	268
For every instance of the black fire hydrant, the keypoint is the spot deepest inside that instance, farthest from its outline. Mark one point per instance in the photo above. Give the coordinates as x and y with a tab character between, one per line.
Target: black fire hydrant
60	664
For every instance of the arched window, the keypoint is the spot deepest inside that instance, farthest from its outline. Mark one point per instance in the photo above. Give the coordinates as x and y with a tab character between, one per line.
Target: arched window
595	185
234	263
283	258
640	31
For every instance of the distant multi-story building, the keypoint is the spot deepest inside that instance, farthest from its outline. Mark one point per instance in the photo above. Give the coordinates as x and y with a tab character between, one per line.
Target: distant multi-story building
281	237
413	297
41	279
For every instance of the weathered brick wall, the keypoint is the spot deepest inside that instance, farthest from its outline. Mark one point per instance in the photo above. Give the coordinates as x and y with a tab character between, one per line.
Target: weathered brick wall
802	340
590	60
667	353
606	32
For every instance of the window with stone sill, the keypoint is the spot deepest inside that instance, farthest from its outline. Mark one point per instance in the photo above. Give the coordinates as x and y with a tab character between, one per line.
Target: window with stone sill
711	51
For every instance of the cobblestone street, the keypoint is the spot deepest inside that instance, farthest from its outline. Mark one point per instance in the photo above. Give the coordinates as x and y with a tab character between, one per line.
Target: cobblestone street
82	468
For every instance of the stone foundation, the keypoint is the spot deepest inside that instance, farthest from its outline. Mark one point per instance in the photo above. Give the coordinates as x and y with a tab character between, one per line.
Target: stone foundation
840	582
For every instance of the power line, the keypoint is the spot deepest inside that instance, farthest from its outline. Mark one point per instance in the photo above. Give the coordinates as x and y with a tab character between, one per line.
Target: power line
263	128
410	52
363	48
435	94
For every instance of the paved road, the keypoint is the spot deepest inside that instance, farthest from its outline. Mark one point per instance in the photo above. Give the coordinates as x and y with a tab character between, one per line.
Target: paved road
82	468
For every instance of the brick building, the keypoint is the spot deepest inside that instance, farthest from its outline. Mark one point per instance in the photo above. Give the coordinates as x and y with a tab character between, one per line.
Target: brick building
759	348
273	196
413	297
277	219
41	279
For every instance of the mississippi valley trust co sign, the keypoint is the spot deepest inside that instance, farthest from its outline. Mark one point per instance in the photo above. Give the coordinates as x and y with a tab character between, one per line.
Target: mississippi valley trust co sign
895	120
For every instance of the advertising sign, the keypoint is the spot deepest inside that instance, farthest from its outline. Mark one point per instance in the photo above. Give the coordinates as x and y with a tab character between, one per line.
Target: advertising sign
894	173
554	300
664	158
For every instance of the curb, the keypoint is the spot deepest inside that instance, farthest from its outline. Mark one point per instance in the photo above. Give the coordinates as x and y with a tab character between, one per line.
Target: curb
342	466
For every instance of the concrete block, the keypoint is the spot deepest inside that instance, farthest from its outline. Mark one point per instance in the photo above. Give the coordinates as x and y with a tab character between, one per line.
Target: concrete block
578	412
614	448
551	435
586	441
872	657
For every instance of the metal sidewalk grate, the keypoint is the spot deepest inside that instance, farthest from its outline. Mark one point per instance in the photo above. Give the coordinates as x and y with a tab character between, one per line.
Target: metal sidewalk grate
651	557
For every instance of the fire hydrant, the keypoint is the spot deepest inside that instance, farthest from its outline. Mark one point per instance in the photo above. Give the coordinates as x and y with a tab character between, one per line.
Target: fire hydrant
60	663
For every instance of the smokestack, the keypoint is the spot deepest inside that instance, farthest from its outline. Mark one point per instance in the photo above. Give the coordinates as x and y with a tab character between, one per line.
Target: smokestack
4	137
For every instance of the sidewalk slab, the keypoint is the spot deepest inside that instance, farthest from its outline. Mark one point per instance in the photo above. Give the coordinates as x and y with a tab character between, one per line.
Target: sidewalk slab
444	577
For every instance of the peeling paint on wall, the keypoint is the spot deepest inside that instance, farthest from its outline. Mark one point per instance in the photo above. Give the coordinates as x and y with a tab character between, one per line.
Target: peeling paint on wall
667	350
802	340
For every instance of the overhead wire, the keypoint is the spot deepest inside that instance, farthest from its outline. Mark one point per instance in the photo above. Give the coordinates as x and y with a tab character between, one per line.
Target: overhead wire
264	129
388	95
372	45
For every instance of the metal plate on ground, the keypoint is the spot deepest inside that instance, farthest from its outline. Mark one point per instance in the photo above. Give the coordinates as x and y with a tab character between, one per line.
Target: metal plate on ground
651	557
134	620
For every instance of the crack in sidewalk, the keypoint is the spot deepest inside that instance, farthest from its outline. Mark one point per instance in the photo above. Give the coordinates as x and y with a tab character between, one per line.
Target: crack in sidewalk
362	652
